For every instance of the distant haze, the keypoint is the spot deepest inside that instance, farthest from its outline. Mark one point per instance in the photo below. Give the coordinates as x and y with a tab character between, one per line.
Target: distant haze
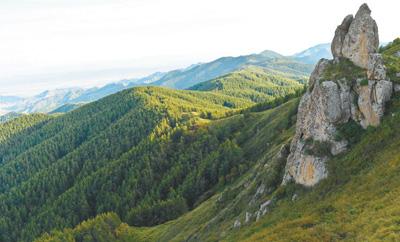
47	44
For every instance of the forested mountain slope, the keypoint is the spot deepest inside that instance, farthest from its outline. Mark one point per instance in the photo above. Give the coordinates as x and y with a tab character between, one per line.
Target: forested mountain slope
272	61
254	83
145	153
257	136
356	202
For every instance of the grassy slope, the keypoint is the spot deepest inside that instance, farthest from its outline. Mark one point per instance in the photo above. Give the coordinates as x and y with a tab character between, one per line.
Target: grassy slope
358	201
392	61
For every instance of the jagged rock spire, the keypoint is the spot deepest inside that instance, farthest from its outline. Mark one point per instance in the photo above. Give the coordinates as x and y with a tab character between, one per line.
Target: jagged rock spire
333	100
356	38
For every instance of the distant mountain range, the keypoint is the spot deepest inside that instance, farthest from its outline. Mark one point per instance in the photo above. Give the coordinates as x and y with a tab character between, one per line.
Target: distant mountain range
314	54
299	64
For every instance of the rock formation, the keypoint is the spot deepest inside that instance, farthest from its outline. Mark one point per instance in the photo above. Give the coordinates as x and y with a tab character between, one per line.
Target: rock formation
352	86
356	37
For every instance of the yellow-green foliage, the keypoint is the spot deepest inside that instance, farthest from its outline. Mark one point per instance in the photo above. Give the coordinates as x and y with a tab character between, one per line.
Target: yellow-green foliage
255	84
260	136
391	56
357	202
20	124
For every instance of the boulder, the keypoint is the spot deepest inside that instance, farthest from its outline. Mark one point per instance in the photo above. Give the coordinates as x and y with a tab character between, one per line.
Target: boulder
396	88
237	224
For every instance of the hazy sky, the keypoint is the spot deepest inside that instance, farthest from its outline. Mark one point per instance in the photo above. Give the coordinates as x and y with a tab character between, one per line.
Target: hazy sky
58	43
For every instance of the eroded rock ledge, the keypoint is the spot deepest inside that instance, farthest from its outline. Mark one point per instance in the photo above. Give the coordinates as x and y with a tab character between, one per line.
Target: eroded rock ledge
351	87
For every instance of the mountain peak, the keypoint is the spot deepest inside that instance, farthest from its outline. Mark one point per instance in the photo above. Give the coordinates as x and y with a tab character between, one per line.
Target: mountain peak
271	54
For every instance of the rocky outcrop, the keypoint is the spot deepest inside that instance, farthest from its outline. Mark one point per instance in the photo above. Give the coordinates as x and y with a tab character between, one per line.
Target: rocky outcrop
340	35
356	37
335	99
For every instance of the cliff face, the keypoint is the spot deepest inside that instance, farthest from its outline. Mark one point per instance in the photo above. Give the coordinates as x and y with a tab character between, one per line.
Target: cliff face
352	86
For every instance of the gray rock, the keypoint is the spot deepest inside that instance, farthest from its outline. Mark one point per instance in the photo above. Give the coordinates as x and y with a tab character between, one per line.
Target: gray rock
329	103
371	101
264	205
340	34
247	217
356	38
396	88
316	75
376	68
362	38
237	224
397	54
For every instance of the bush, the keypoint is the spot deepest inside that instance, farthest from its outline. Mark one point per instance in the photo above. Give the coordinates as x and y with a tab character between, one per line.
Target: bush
317	148
350	131
364	82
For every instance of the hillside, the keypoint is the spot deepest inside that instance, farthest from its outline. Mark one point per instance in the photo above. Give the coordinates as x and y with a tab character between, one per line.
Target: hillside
257	135
253	83
106	156
357	202
182	79
323	167
391	54
9	116
66	108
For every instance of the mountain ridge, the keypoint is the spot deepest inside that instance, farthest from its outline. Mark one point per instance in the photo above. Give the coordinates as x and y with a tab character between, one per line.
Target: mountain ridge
187	76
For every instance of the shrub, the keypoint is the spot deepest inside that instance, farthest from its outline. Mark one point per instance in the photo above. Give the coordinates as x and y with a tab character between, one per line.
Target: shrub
317	148
364	82
350	131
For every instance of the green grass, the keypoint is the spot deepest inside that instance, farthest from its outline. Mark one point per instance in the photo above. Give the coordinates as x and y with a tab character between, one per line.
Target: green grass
392	62
344	69
357	202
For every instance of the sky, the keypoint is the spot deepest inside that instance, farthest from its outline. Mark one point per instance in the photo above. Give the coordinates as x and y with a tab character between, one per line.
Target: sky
48	44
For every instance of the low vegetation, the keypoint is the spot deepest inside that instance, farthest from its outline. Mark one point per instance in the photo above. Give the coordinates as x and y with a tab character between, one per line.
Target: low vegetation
343	69
391	56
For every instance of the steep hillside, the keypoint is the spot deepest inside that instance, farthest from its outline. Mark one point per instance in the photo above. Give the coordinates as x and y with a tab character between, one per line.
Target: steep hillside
333	174
259	136
139	153
253	83
357	202
391	56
